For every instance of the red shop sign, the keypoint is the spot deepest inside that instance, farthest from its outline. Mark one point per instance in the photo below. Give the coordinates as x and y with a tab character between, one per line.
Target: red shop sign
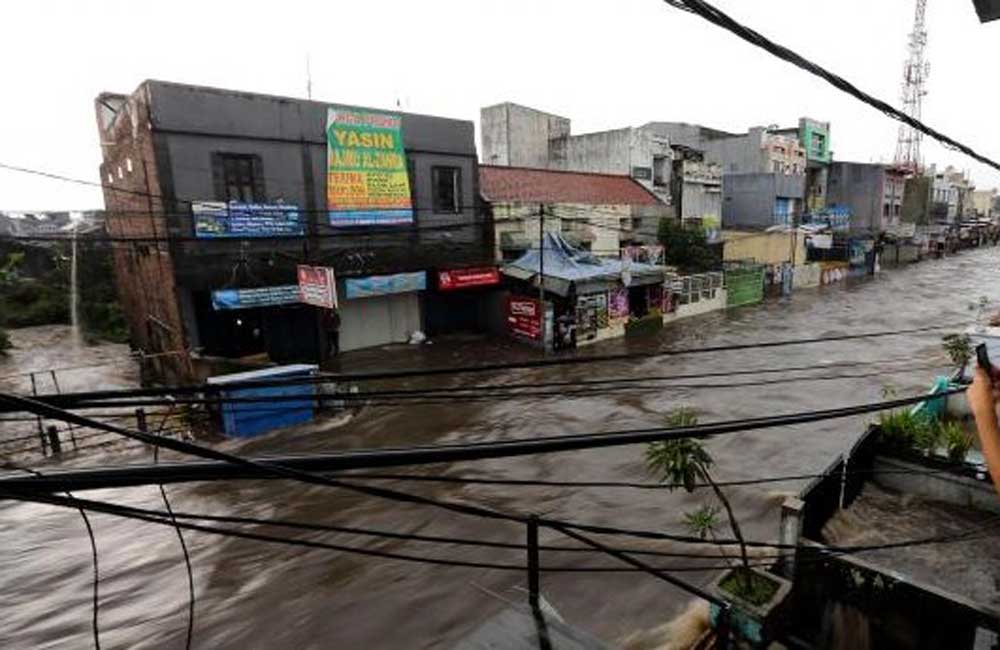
463	278
524	317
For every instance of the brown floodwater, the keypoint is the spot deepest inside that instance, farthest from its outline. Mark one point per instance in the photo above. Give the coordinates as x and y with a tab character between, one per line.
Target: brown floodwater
256	595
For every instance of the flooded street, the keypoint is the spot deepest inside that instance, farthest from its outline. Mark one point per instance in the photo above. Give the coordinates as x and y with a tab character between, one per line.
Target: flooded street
257	595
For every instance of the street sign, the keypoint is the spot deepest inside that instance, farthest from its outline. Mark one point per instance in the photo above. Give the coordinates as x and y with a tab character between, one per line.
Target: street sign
317	286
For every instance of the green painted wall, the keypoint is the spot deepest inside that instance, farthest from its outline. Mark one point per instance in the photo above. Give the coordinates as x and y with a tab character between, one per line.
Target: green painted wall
808	129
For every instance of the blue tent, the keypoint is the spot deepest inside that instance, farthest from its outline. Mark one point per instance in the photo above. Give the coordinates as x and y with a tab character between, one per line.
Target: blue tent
565	266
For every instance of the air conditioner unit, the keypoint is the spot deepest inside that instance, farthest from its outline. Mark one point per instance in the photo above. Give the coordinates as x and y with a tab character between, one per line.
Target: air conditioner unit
988	9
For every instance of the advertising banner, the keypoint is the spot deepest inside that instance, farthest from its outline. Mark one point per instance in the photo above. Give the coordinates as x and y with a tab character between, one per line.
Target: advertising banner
366	180
317	286
464	278
524	317
217	219
618	304
381	285
258	297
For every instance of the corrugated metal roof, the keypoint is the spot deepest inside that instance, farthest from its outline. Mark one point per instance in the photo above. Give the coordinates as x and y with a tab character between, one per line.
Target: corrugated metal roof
524	185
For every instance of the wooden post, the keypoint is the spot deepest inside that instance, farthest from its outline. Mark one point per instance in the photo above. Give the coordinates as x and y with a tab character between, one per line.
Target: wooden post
38	418
54	443
69	427
533	578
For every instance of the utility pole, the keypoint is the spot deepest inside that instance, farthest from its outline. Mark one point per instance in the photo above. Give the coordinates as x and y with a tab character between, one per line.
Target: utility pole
309	77
541	271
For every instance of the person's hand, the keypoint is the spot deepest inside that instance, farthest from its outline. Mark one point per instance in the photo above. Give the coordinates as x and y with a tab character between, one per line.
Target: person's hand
983	395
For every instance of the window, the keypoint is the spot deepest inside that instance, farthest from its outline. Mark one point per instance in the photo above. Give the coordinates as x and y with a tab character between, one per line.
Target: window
659	171
238	177
447	189
776	166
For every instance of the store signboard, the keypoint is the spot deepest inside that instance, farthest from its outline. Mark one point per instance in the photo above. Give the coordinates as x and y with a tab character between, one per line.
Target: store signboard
465	278
367	183
224	299
219	220
524	317
317	286
382	285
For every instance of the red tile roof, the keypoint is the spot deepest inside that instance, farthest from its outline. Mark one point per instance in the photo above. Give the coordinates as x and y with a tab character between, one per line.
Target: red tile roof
524	185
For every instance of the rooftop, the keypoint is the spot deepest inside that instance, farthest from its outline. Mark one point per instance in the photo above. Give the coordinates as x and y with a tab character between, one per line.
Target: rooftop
527	185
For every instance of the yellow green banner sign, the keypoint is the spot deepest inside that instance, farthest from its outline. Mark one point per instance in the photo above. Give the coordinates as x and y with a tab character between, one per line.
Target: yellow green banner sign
367	181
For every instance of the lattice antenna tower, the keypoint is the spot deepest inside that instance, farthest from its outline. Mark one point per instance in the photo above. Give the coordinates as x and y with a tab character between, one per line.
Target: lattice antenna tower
916	70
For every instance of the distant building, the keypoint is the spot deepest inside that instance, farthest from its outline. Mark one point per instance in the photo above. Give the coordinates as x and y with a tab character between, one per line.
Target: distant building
228	192
518	136
872	192
984	202
814	137
596	212
763	171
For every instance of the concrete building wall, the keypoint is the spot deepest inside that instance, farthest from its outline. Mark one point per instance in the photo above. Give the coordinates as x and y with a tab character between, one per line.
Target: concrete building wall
749	200
773	248
860	187
738	155
192	123
983	202
917	203
519	136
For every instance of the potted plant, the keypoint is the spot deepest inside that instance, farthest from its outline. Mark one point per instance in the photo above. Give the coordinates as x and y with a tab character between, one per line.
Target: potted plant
956	441
755	594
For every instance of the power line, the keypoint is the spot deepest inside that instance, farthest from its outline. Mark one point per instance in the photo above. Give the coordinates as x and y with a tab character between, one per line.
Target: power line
232	467
71	398
717	17
72	502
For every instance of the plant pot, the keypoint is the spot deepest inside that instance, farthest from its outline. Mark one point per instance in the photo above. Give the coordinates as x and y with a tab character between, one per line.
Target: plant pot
755	623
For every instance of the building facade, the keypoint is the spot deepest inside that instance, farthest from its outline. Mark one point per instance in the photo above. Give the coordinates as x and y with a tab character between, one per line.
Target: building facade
594	212
763	171
814	137
871	192
518	136
217	196
983	202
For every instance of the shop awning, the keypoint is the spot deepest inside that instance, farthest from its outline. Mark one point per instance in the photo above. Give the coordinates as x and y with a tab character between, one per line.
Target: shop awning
565	265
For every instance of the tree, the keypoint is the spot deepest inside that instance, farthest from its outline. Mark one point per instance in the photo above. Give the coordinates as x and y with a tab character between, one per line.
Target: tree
5	343
684	463
686	247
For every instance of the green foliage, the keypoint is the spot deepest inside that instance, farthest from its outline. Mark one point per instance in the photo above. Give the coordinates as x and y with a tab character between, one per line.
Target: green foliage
703	521
34	289
686	248
955	440
959	348
679	462
8	269
904	431
5	343
749	586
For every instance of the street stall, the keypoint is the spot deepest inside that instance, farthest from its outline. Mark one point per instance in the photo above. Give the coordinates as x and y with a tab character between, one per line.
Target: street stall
587	298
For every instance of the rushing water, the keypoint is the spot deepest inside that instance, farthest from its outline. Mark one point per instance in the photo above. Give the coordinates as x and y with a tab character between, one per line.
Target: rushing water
253	595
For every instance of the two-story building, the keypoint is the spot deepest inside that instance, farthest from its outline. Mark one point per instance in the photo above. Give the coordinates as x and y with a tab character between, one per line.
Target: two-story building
215	197
872	194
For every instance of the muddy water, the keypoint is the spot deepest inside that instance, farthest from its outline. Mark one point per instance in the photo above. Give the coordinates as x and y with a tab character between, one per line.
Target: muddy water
252	595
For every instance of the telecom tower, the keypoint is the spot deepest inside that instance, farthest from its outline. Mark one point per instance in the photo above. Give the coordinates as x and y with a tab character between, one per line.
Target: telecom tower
915	73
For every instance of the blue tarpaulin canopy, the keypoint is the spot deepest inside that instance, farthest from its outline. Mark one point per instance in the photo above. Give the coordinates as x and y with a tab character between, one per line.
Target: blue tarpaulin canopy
564	266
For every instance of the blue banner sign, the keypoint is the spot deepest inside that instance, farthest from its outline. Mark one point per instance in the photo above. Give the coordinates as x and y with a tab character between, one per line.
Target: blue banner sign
381	285
236	219
258	297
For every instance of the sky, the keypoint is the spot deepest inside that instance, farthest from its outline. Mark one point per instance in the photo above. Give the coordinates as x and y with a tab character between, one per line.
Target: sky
602	63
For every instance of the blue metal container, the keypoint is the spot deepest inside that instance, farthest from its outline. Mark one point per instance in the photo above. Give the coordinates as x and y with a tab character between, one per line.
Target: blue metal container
251	418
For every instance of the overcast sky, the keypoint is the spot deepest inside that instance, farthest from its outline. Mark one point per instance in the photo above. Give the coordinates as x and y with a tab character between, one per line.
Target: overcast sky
602	63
